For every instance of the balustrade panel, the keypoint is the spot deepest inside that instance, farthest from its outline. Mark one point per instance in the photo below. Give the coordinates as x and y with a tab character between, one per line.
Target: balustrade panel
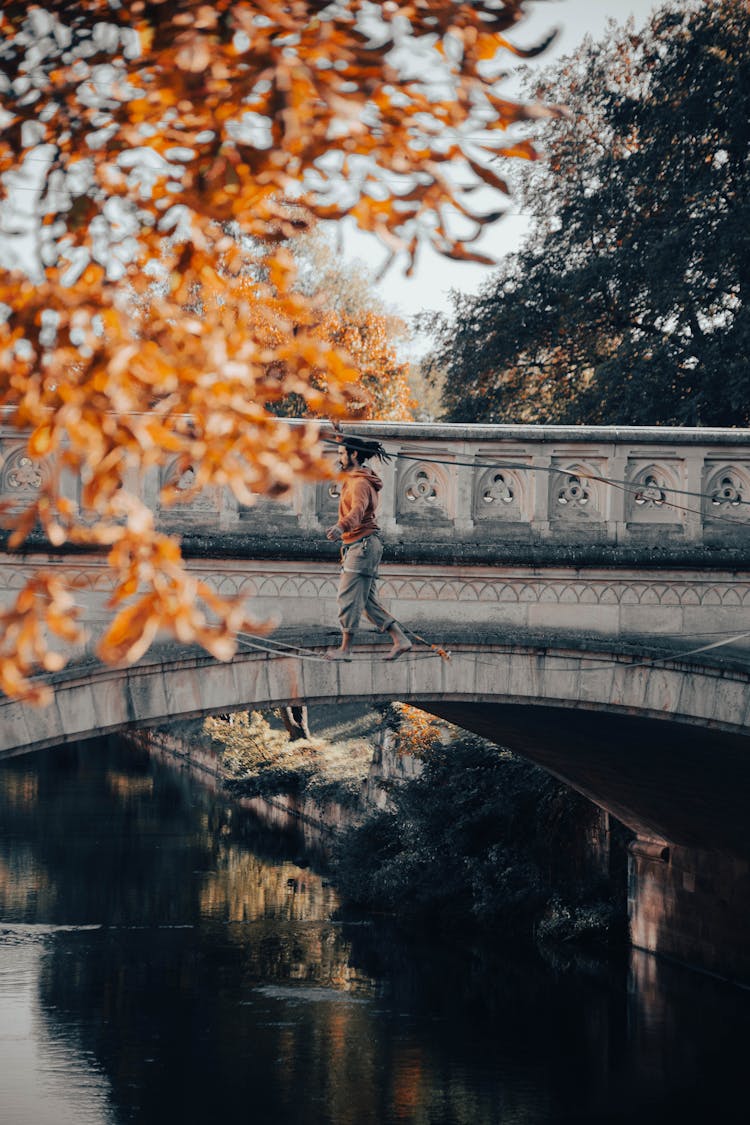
477	484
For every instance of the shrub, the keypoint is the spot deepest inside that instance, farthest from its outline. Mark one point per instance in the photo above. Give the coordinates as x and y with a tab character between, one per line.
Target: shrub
481	837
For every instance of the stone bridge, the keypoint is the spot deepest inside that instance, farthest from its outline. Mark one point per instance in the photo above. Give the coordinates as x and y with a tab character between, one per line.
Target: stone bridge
591	585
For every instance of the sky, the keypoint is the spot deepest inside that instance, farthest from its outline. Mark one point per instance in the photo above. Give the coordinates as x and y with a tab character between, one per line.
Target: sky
435	276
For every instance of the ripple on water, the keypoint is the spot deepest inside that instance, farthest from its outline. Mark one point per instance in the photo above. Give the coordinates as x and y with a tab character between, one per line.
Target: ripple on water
23	933
308	994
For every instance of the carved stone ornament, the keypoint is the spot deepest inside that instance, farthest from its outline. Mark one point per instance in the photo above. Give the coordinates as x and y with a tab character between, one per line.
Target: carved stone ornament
727	491
183	481
186	480
423	488
727	494
327	495
652	492
573	496
423	493
498	495
21	475
574	491
24	476
498	489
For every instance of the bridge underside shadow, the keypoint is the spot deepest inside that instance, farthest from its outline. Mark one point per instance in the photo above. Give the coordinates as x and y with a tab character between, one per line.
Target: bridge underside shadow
665	749
683	784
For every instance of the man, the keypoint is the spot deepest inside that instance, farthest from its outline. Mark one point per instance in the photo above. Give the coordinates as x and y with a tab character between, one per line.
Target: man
362	549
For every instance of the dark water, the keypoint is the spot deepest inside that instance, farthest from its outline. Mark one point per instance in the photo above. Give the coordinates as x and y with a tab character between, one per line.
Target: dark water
162	960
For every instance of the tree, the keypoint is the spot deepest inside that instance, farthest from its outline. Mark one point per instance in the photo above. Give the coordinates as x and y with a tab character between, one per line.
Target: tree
629	303
344	313
354	319
139	130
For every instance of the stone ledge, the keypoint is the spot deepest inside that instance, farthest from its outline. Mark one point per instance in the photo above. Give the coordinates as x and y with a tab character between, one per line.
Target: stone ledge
456	551
459	431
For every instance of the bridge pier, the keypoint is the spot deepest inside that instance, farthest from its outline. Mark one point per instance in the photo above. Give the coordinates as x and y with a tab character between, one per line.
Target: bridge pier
691	905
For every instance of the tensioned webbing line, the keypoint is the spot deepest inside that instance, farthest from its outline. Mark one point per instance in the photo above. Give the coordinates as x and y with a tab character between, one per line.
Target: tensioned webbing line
273	647
305	654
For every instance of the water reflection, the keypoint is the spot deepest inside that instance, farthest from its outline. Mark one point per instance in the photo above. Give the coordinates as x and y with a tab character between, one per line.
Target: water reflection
162	959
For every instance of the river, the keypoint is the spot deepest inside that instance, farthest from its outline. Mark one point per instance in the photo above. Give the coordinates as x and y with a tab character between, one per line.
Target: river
165	959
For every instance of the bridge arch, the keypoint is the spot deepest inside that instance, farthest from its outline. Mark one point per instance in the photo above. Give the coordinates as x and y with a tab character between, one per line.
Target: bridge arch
664	748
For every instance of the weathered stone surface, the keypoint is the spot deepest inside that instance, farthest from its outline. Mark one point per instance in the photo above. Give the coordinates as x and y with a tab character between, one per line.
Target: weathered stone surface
691	905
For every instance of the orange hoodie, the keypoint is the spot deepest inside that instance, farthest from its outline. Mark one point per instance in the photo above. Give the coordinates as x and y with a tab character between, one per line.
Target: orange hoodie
357	504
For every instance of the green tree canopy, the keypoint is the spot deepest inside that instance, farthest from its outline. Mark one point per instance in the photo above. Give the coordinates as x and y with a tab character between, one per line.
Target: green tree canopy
629	303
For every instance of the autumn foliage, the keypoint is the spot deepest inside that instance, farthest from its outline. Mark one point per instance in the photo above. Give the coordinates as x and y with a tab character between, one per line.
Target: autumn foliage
159	140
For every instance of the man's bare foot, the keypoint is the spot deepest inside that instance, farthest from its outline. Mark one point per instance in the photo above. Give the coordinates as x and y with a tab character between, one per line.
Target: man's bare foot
397	650
337	654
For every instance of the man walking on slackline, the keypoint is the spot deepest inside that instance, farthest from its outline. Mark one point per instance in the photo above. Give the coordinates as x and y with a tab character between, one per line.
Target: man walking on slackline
362	548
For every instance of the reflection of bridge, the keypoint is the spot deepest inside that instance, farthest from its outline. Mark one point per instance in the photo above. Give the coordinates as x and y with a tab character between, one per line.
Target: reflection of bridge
556	564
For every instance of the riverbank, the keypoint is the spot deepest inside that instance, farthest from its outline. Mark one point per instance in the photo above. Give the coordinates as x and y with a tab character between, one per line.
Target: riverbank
414	818
317	785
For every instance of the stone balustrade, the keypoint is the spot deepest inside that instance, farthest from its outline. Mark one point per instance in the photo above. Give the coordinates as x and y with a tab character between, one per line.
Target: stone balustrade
493	492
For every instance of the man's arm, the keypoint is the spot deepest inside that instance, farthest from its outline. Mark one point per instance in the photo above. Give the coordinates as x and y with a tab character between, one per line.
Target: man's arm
358	492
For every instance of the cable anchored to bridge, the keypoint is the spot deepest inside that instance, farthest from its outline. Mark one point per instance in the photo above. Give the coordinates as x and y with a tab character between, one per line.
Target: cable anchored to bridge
579	474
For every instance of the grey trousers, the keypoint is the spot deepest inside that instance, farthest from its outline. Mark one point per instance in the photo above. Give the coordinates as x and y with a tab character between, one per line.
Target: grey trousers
357	585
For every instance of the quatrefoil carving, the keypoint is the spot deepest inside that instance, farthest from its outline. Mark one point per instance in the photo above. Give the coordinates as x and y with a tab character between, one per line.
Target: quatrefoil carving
20	474
728	489
498	495
423	490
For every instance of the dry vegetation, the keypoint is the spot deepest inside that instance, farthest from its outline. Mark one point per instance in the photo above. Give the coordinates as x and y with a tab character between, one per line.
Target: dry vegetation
259	758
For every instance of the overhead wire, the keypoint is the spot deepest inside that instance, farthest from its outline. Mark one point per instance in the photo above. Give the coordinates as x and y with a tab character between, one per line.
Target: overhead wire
630	487
497	464
279	648
556	469
576	474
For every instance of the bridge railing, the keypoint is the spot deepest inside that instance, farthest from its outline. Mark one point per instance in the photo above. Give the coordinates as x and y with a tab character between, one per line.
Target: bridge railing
483	487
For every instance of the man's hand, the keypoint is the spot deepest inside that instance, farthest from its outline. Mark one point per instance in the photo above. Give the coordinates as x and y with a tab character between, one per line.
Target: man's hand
333	532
